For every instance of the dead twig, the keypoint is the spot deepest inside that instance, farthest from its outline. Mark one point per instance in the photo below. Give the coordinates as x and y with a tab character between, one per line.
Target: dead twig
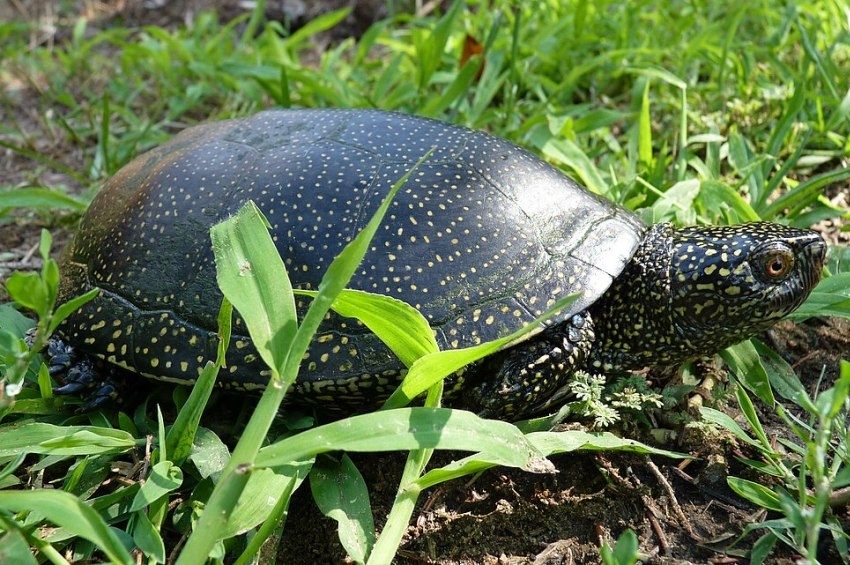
663	544
674	503
147	460
840	497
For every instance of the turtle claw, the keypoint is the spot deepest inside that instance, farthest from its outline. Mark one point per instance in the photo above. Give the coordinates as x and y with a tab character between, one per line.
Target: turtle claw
60	356
80	376
105	394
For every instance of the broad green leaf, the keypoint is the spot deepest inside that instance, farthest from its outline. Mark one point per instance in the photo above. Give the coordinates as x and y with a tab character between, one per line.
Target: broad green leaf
755	493
47	439
14	548
41	198
252	276
714	194
261	494
404	429
209	454
431	368
831	297
821	304
782	377
164	478
27	289
626	550
277	516
749	412
147	538
341	494
69	512
725	421
13	321
70	307
744	361
400	326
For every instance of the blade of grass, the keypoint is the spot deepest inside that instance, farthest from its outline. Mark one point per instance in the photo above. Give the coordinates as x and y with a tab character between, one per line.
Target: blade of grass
48	439
745	363
408	428
235	476
46	161
430	369
181	435
804	193
71	513
253	278
41	198
400	326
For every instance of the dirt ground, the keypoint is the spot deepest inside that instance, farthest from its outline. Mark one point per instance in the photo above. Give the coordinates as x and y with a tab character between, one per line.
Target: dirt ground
681	511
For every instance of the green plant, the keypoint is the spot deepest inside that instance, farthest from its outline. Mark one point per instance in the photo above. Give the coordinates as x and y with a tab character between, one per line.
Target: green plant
497	443
810	475
36	292
625	551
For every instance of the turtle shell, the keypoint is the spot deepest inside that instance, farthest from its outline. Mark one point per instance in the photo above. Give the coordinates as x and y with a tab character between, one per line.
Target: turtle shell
482	239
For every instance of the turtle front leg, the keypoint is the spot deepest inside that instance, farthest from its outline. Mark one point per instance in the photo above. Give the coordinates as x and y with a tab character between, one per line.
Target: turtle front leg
523	378
79	375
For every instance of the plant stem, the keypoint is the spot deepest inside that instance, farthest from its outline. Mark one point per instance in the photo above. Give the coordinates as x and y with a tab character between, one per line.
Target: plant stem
402	509
235	475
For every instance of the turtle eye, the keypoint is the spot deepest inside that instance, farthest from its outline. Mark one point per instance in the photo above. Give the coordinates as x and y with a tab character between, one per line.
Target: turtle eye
777	263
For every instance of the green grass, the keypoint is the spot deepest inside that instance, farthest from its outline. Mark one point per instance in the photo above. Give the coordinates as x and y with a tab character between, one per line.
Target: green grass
691	113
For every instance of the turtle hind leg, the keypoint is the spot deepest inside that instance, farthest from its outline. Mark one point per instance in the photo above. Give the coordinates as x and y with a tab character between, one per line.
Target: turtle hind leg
521	380
80	374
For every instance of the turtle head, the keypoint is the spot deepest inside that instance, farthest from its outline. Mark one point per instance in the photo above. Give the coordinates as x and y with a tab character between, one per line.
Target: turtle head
693	291
728	283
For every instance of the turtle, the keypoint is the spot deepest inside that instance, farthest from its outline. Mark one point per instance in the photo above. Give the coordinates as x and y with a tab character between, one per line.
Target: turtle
482	239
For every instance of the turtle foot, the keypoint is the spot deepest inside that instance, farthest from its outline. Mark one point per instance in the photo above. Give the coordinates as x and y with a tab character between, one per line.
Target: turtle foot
522	379
96	385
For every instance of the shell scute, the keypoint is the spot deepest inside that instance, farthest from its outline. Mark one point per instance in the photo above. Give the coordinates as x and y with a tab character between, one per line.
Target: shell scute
482	238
